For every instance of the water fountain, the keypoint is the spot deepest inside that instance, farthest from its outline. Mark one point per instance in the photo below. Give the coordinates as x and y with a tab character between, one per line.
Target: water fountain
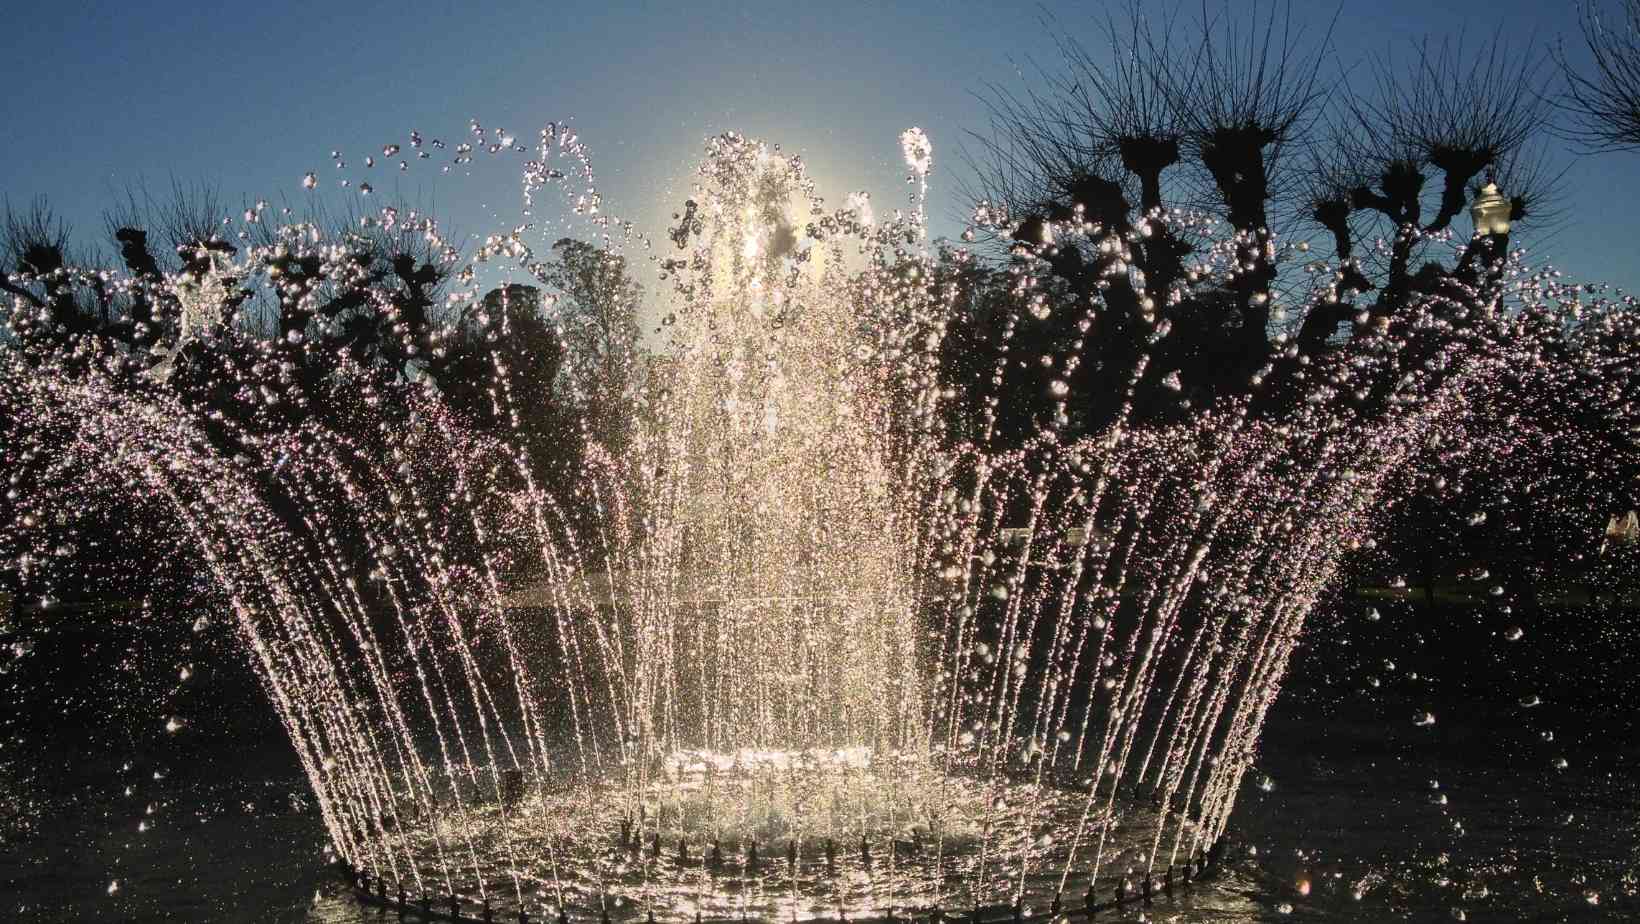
813	657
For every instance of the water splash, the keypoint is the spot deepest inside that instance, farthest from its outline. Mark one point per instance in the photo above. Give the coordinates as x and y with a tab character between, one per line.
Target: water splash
786	610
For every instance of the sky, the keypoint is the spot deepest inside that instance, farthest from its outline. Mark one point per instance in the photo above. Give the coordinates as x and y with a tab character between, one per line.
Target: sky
102	97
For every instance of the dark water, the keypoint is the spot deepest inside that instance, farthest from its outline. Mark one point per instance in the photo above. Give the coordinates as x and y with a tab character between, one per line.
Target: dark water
1351	810
1355	812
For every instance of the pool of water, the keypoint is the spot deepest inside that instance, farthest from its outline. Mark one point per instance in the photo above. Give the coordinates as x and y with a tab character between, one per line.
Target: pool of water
1520	802
1350	817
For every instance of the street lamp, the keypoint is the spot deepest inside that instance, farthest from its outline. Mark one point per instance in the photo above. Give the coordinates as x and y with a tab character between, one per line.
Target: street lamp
1490	211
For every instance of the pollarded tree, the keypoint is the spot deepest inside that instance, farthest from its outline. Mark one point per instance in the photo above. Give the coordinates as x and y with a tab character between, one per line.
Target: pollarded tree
191	271
39	277
1232	120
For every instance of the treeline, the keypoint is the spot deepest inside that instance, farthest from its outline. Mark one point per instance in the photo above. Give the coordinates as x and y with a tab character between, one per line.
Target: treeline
1199	213
275	333
1196	213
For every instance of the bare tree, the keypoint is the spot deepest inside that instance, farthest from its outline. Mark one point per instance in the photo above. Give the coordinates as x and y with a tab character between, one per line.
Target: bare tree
1604	105
39	274
1451	117
298	309
1231	114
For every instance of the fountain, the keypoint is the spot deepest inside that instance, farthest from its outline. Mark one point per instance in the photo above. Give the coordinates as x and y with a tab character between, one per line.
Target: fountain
791	649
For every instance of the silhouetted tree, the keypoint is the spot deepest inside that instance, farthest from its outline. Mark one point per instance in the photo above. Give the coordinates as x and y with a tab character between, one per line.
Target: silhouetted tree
499	365
1232	118
1604	104
283	316
595	306
40	276
261	332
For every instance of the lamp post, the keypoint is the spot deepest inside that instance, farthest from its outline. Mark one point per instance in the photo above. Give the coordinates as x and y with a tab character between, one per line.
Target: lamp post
1490	213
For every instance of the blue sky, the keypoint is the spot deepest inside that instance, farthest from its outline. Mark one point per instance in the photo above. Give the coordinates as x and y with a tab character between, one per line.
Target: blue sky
247	98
